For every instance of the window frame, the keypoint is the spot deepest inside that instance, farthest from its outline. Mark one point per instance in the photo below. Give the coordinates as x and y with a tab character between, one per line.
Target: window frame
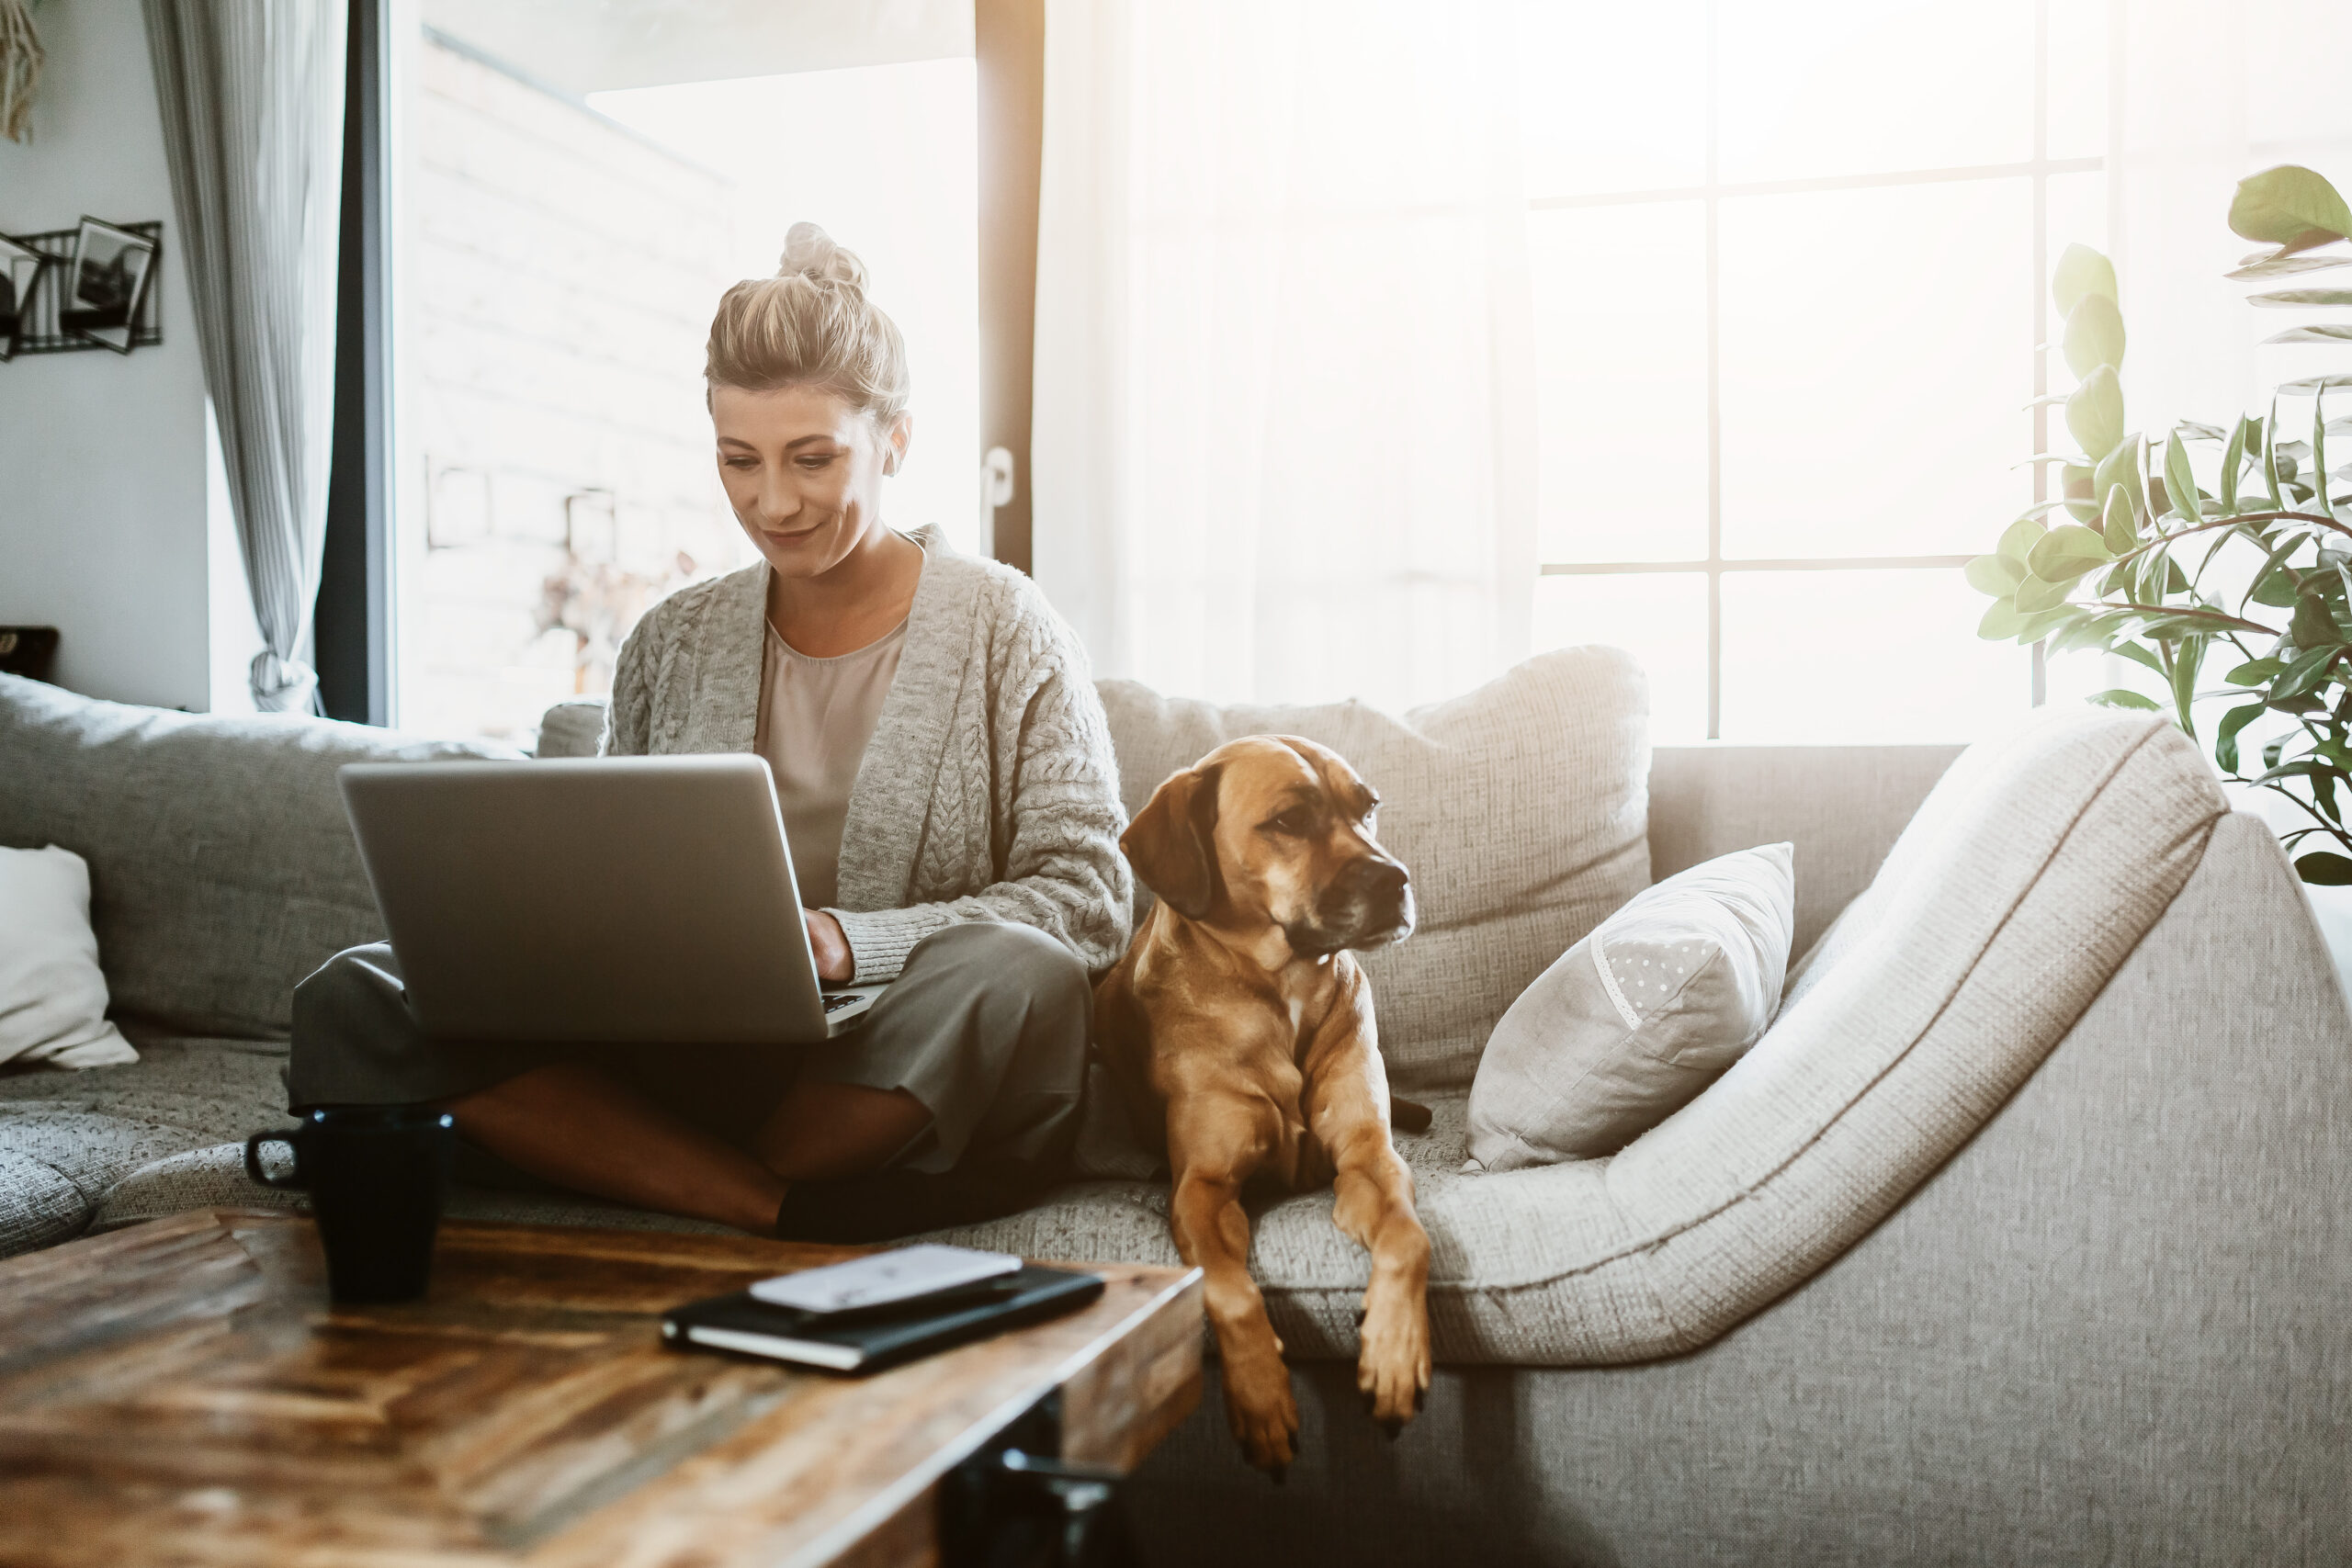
2039	168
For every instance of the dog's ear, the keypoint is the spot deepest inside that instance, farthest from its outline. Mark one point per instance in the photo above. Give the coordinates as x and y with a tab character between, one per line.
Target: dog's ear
1170	843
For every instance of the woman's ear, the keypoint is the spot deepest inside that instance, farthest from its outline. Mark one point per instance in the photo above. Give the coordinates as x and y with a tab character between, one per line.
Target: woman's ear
895	442
1171	842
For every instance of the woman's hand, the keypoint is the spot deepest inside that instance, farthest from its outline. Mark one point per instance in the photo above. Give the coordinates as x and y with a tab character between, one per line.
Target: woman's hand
835	963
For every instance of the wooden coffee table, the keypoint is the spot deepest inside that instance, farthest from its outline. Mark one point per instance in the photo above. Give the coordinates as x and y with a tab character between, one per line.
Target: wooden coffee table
182	1392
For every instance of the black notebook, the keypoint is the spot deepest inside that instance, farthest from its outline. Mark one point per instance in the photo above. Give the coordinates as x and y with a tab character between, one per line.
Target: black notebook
868	1340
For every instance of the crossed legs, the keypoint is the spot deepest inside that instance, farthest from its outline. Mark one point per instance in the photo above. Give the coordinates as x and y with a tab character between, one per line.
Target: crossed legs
575	1124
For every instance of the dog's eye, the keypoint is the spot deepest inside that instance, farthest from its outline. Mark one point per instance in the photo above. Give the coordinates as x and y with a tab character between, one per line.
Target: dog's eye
1293	821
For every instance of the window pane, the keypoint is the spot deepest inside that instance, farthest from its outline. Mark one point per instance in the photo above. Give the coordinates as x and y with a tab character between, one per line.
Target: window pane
2078	78
1659	617
1853	656
1605	96
2077	217
1867	86
1877	357
1621	325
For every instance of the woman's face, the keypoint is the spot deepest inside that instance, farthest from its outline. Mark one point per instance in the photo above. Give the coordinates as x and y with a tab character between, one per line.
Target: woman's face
803	469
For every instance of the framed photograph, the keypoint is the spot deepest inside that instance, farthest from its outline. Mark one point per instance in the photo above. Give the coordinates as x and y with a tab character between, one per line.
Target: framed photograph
107	284
20	275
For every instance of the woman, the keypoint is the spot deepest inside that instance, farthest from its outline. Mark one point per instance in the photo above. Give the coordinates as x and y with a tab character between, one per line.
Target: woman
952	804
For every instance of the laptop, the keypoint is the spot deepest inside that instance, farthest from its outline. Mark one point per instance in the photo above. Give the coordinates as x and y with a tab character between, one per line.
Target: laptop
595	901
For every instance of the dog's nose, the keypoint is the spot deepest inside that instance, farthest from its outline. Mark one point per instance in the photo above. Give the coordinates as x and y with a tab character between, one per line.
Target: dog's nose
1377	880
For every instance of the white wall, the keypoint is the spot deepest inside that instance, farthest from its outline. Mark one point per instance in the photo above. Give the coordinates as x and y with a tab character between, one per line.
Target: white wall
104	522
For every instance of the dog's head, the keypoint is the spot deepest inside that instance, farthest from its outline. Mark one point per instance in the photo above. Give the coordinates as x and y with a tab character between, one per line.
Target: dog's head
1274	830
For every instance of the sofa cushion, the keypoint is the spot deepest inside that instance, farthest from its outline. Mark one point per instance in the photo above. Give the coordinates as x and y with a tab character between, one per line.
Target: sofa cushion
1635	1020
68	1140
221	868
52	994
1521	808
573	728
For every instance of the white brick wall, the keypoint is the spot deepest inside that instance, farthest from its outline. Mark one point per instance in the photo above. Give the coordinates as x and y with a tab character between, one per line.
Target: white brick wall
564	273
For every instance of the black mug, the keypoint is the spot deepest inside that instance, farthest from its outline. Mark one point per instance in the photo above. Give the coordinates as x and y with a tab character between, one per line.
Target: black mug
377	1175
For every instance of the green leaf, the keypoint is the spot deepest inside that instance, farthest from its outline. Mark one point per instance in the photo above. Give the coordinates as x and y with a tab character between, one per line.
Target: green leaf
2075	484
2304	674
2186	658
2323	868
2180	481
2318	456
2291	207
2119	697
2094	335
2117	528
2233	458
2271	456
2081	271
2279	299
2274	583
2254	672
2036	595
2121	467
2094	413
1996	575
2000	623
2065	553
2039	626
2278	263
2019	539
2314	628
2225	739
2327	331
2137	655
2319	383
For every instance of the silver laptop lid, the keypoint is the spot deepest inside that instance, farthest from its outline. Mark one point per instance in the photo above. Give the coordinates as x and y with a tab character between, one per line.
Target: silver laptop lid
590	899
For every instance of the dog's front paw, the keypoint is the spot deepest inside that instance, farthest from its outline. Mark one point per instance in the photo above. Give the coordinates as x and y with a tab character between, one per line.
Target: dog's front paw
1264	1416
1393	1369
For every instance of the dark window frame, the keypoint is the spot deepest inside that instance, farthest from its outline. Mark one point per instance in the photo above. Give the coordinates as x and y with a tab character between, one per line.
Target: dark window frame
352	630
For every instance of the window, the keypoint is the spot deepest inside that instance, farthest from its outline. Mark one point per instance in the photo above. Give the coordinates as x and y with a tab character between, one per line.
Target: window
573	203
1787	307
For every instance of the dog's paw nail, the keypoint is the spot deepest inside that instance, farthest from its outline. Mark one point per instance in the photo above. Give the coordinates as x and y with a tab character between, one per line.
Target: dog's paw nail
1420	1399
1278	1474
1360	1317
1393	1426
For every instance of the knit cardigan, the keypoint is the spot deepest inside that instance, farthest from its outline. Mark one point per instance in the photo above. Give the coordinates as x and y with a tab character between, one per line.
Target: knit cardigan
988	791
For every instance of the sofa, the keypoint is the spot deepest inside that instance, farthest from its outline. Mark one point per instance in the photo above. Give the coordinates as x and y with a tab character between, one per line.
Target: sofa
2023	1235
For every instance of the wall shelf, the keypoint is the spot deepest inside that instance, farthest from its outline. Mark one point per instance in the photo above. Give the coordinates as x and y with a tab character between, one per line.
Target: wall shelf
42	334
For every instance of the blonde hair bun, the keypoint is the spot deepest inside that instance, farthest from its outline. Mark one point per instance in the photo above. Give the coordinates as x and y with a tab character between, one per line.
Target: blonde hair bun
811	325
809	252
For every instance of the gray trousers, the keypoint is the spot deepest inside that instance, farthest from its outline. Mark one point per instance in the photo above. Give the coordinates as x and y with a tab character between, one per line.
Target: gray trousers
986	1027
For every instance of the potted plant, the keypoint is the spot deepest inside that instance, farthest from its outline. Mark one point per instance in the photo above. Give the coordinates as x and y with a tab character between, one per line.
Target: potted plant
2235	590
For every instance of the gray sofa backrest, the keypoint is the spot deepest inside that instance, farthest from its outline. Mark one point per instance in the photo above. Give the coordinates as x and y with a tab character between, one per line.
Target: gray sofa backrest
221	868
1841	806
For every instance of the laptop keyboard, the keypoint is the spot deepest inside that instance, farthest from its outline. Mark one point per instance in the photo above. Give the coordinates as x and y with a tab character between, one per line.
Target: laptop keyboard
834	1002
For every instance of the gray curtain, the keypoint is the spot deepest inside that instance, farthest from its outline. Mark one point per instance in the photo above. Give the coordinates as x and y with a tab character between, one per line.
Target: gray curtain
251	99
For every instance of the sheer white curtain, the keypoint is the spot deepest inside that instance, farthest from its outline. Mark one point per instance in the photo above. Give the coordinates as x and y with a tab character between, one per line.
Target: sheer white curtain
250	95
1285	411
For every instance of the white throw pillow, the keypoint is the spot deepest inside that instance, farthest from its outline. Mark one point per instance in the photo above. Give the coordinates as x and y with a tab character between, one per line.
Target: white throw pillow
1632	1021
52	995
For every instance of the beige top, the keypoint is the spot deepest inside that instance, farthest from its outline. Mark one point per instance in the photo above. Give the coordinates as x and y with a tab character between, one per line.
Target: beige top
815	715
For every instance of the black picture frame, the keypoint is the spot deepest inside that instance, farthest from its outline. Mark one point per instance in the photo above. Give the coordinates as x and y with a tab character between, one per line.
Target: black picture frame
22	269
105	283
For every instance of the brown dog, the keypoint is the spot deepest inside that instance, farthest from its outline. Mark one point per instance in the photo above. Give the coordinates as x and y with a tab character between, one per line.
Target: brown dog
1239	1023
